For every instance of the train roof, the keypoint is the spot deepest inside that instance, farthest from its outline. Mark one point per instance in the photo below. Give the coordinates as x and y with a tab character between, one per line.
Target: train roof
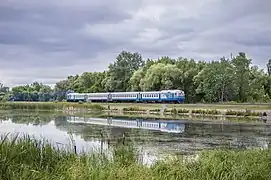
175	90
125	92
103	93
133	92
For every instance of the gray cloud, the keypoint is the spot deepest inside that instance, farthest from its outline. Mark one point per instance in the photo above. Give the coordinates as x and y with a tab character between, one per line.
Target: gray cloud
49	40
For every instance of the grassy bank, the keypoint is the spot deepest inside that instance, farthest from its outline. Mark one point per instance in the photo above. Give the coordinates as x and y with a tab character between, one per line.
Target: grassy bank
26	158
227	106
49	106
179	109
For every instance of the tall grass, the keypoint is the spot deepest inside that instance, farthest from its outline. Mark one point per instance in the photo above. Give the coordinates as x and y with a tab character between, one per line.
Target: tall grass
28	158
49	105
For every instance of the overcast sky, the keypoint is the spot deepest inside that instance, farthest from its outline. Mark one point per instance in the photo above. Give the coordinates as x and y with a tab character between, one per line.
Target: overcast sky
47	40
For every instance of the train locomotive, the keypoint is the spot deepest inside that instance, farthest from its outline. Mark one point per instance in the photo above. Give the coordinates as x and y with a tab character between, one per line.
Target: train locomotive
164	96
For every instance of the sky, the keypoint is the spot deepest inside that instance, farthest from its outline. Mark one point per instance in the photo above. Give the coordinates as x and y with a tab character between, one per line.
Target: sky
49	40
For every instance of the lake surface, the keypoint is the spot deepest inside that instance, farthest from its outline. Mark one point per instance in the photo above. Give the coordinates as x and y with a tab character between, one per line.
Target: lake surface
155	138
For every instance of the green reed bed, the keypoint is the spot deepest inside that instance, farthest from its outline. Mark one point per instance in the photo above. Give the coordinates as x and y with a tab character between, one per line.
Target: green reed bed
26	158
49	106
67	106
243	113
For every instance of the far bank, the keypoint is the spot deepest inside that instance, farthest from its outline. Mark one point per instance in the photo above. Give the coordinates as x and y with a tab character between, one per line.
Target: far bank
254	110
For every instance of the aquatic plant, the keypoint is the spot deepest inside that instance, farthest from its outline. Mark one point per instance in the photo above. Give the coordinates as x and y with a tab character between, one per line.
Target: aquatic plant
49	106
28	158
243	113
135	109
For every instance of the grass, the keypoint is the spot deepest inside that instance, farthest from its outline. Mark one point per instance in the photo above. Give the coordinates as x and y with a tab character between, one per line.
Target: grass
28	158
203	109
49	105
236	106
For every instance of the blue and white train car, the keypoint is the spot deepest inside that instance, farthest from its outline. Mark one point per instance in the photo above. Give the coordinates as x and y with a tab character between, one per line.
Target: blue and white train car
76	97
164	96
99	97
123	96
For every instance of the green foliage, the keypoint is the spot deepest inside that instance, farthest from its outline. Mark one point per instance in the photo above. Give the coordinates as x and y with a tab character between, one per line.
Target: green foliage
28	158
155	110
121	71
135	109
269	67
226	80
4	91
206	111
243	113
48	105
183	111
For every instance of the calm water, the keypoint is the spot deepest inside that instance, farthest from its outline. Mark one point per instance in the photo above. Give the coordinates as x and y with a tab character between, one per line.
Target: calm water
154	138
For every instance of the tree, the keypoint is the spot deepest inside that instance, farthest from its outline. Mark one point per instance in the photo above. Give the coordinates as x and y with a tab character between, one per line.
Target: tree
121	71
137	80
222	80
241	64
214	81
160	76
269	67
3	92
257	81
189	68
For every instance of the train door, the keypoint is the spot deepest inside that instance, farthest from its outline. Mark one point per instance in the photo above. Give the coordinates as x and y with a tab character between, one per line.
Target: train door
139	97
109	97
85	98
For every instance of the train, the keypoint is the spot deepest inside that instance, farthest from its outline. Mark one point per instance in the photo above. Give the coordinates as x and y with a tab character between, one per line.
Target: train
163	96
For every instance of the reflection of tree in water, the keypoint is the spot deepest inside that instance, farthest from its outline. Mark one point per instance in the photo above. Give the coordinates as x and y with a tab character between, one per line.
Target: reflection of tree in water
4	118
28	117
31	119
197	136
88	132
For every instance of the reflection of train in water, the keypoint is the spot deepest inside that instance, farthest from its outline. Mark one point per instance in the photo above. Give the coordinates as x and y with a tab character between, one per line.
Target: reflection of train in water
164	126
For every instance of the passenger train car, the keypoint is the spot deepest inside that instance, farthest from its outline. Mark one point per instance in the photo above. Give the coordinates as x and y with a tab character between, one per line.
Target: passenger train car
175	96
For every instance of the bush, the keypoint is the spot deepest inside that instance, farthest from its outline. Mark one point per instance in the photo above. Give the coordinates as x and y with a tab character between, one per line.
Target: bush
138	109
183	111
242	113
155	110
206	111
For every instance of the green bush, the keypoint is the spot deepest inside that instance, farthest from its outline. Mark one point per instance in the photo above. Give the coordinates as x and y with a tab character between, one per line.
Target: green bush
183	111
154	110
243	113
138	109
206	111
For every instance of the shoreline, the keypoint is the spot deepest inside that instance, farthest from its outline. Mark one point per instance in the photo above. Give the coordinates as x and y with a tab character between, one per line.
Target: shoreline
210	110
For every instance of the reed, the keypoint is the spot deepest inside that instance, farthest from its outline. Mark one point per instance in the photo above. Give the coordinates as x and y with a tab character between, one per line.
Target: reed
49	106
243	113
28	158
134	109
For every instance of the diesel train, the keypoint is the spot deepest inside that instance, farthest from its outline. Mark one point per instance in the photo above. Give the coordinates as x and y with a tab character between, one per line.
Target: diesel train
164	96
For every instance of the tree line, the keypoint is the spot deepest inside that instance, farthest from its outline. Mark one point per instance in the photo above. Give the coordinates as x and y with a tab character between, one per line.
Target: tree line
234	79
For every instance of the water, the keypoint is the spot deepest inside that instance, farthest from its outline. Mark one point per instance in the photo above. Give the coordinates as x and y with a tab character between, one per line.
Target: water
155	138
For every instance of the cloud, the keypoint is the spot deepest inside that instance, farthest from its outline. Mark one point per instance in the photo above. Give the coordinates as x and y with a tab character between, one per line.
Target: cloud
49	40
